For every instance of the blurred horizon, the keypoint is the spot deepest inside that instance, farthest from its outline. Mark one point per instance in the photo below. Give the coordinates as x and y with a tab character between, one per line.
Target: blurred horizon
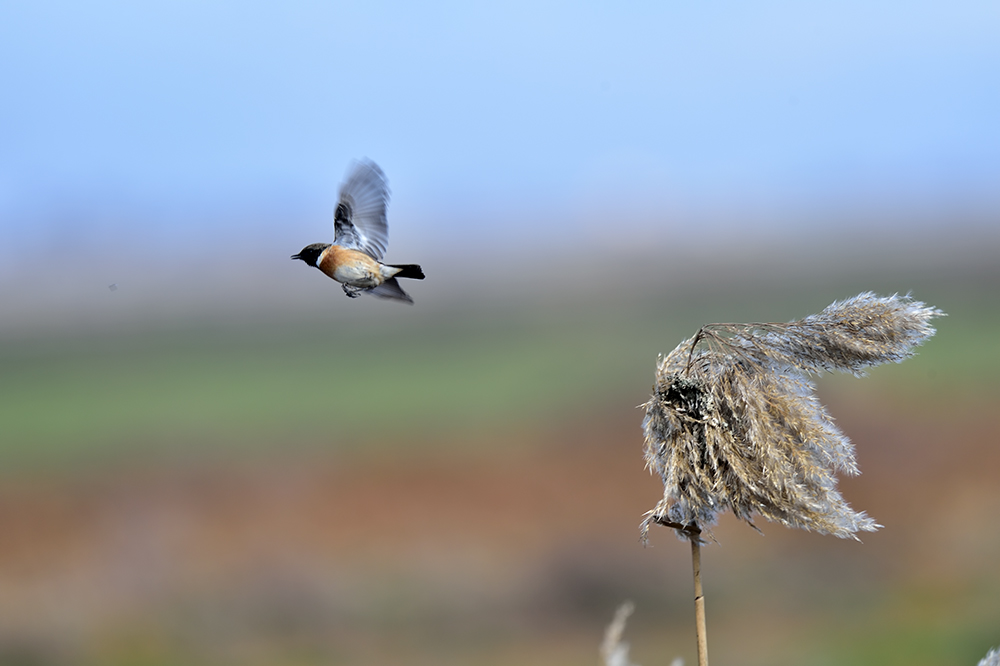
98	288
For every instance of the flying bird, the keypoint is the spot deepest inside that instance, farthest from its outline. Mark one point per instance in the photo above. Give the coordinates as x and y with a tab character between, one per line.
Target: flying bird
360	238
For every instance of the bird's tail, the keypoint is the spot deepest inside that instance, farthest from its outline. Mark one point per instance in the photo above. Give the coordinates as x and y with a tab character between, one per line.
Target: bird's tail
390	289
411	271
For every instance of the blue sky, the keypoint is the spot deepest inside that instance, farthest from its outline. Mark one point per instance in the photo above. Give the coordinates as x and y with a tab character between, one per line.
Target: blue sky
184	113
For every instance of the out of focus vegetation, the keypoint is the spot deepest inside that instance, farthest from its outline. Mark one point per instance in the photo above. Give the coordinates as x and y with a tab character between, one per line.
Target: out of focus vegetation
417	375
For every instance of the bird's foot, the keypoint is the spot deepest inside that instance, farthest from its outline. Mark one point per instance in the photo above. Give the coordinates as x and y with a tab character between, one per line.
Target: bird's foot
352	291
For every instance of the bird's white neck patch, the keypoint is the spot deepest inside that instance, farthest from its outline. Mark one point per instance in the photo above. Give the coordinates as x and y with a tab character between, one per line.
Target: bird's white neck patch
322	254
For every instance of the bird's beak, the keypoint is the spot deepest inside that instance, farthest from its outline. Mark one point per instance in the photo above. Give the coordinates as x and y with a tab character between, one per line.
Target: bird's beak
295	256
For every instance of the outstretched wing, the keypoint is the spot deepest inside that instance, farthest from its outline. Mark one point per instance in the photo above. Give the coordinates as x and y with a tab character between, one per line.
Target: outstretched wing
359	222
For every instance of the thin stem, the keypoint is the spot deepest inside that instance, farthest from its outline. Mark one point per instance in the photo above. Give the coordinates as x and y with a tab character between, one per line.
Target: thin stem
693	533
699	603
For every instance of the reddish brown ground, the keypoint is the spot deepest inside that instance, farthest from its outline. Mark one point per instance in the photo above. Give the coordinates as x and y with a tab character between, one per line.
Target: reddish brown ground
502	554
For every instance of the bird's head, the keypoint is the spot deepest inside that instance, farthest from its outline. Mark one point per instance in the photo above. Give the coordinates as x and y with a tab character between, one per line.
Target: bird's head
310	253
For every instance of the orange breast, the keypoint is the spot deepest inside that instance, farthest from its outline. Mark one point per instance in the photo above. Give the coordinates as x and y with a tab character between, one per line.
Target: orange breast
350	267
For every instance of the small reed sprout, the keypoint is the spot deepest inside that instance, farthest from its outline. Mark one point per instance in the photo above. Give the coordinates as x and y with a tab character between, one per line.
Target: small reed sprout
992	658
734	422
614	651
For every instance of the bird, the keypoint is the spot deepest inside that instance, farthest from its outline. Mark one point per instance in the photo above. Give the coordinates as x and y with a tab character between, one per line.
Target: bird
360	239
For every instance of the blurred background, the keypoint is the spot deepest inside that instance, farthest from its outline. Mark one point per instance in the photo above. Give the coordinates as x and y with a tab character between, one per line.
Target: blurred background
209	455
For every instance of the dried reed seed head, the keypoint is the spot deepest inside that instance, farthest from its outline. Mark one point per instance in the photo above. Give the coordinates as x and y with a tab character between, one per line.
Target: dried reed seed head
847	336
734	422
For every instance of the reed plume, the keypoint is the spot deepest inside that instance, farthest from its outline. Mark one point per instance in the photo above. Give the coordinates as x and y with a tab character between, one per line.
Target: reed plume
734	422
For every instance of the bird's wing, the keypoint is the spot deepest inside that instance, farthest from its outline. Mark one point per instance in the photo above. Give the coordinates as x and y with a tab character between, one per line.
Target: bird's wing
359	222
390	289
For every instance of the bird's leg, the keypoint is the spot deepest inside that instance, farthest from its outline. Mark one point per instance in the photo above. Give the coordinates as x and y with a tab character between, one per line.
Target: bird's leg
352	291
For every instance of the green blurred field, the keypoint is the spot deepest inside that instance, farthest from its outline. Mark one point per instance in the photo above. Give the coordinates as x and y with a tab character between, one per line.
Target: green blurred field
300	381
412	378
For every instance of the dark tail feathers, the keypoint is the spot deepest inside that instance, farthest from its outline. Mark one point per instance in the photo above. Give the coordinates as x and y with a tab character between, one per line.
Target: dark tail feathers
411	271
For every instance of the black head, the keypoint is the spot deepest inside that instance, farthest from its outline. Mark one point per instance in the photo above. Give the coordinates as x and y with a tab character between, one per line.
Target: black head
310	253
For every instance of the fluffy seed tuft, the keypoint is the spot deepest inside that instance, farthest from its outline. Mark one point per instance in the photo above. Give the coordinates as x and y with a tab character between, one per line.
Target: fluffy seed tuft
734	422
